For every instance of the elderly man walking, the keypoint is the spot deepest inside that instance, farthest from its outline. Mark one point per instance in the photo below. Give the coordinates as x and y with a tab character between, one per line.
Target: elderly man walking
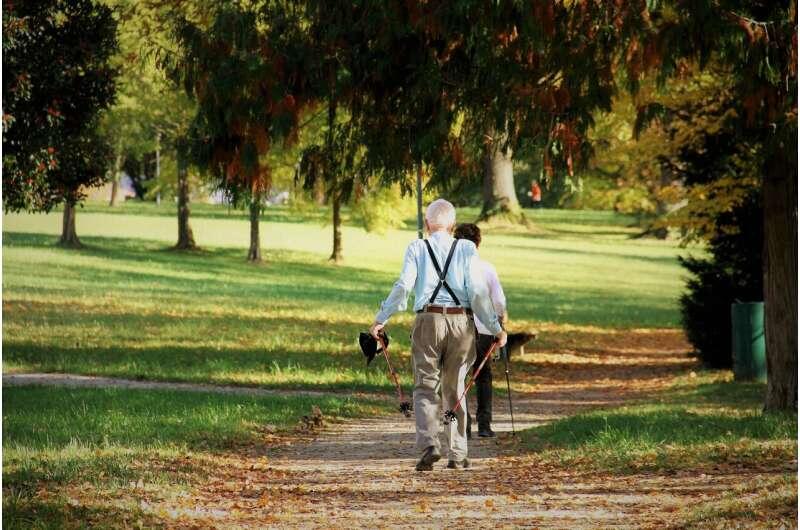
448	286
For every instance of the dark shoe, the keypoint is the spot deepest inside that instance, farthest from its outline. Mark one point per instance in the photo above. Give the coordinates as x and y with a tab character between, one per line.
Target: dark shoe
430	456
453	464
486	432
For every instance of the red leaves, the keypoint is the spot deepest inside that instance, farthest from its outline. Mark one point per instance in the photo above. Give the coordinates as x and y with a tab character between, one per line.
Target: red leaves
633	58
547	163
750	29
288	103
562	98
457	154
563	133
763	99
508	36
551	99
544	12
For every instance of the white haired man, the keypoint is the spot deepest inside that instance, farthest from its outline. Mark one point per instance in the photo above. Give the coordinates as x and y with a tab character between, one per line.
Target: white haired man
448	286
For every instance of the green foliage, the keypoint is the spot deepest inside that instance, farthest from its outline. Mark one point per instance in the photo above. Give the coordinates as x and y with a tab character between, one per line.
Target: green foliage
56	55
383	209
249	85
732	273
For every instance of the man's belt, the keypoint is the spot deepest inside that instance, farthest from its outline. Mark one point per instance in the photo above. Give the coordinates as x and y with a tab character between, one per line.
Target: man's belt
445	310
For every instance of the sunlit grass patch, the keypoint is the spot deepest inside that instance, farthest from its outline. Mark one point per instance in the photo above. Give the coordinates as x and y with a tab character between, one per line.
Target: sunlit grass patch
769	502
701	421
126	307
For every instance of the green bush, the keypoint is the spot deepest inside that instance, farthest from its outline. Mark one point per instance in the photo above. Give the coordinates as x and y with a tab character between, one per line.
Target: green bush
732	274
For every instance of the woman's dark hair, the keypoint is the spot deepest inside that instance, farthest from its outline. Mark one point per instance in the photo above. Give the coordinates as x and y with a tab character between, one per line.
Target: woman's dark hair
469	231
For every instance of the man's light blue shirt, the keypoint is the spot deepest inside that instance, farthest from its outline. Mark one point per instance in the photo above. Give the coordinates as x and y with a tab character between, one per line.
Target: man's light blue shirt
464	278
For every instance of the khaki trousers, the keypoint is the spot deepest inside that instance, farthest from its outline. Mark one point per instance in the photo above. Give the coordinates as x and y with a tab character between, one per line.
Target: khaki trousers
442	349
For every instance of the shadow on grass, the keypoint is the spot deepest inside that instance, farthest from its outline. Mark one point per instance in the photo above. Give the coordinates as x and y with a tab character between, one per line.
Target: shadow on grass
79	420
709	423
646	427
144	271
35	513
306	279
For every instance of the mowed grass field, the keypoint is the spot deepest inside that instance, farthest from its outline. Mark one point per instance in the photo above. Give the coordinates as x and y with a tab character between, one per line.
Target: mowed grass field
125	306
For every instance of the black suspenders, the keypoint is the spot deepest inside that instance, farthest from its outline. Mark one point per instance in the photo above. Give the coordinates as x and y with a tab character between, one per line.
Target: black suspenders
442	273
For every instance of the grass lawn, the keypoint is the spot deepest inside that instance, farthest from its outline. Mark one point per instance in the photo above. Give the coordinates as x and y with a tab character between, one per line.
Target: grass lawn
702	424
107	439
127	307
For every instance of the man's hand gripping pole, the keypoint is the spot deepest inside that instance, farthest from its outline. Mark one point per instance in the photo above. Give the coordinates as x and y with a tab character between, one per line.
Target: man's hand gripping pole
450	415
405	406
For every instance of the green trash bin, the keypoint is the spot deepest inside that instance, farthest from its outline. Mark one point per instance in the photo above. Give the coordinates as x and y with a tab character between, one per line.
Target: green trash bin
749	350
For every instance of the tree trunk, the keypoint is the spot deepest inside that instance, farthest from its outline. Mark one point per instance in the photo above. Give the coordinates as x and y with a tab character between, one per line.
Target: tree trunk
499	195
336	255
115	178
662	208
780	279
254	254
69	238
319	193
185	235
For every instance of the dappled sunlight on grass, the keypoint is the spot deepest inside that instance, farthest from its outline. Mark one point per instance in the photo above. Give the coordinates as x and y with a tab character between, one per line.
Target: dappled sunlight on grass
701	420
126	307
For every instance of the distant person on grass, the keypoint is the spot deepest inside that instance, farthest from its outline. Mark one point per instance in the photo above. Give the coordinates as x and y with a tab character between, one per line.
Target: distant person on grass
443	336
485	338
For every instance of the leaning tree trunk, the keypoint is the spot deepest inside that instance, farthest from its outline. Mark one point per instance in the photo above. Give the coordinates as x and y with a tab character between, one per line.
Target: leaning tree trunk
185	235
336	255
69	238
115	179
254	254
780	280
499	196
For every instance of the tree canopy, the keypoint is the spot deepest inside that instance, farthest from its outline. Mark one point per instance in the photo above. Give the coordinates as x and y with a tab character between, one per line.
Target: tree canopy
57	80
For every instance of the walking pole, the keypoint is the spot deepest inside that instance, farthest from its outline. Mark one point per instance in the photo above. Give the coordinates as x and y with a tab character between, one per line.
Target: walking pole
508	385
405	406
450	415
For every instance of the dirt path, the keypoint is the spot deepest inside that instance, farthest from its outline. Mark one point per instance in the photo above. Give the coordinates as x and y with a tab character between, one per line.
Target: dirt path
359	473
93	381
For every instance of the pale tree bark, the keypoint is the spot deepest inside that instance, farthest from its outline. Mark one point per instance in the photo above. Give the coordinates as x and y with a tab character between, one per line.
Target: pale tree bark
115	179
336	255
780	279
332	177
254	254
185	235
319	193
69	237
499	195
